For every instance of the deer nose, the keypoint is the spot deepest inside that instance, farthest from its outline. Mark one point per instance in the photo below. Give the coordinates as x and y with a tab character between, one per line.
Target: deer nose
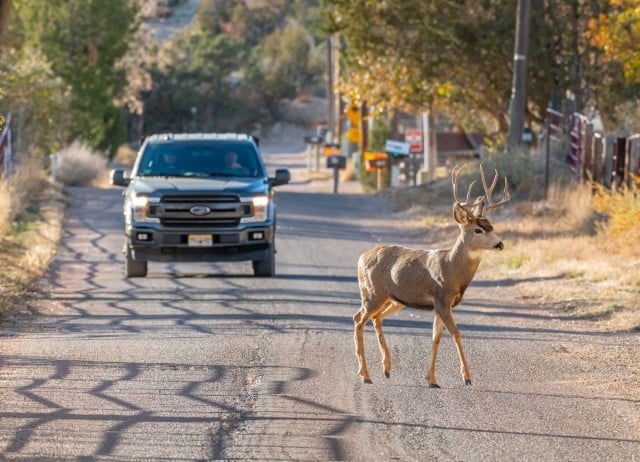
499	246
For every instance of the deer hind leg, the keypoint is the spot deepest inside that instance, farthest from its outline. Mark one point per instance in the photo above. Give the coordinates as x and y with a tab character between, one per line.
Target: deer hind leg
437	336
450	324
389	308
360	320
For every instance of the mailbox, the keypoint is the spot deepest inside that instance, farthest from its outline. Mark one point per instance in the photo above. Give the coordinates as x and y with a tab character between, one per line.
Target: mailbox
339	162
375	161
313	139
332	149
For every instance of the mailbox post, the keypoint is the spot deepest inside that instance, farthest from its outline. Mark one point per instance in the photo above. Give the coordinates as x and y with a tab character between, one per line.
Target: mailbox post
376	161
336	161
313	147
397	150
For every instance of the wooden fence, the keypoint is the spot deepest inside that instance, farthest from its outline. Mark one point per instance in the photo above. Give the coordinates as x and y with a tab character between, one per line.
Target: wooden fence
605	158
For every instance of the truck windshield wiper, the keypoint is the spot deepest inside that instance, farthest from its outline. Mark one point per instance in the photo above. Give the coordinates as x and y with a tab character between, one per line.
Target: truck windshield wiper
165	174
230	175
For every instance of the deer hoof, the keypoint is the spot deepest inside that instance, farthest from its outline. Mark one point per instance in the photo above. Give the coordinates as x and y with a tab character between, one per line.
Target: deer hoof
467	382
367	380
387	374
434	385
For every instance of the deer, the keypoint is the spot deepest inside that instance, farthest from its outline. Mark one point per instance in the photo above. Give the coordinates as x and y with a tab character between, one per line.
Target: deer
392	277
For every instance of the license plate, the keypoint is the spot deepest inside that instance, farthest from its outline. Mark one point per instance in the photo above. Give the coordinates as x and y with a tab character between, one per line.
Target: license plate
200	240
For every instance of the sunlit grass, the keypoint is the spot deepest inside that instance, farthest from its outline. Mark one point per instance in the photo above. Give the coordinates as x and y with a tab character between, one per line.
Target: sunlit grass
30	221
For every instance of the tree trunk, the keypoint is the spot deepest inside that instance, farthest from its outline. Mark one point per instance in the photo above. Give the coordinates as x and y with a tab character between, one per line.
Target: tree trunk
5	12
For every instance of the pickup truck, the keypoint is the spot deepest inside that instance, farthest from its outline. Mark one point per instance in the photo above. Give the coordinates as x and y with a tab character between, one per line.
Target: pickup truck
202	197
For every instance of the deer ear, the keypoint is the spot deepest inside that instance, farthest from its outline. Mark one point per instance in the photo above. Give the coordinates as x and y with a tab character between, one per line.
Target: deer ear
461	215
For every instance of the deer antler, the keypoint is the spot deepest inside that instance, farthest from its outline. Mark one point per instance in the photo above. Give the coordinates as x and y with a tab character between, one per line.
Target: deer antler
455	176
506	197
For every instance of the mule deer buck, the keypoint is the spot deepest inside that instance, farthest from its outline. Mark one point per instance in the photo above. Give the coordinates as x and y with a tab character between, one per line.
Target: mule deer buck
391	277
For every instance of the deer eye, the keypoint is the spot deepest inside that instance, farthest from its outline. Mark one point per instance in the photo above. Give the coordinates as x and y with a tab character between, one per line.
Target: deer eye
477	231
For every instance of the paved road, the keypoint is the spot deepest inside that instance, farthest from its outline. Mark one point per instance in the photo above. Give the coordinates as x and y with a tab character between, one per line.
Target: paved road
206	362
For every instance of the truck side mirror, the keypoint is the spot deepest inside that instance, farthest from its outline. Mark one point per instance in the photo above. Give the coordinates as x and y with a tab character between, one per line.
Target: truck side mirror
283	176
117	177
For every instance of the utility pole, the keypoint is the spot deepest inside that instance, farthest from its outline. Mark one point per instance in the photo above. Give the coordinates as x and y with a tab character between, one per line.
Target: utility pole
330	83
5	13
518	101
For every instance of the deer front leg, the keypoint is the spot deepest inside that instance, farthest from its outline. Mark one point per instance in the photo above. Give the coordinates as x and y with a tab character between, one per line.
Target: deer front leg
450	324
437	336
360	320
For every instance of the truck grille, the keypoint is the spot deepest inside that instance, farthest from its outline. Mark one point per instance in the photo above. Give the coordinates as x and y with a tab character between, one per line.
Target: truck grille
200	210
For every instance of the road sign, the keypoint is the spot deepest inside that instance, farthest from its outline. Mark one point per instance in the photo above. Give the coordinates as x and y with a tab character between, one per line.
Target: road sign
397	147
414	138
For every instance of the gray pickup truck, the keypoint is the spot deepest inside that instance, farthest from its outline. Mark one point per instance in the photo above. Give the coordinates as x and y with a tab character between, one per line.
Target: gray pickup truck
199	198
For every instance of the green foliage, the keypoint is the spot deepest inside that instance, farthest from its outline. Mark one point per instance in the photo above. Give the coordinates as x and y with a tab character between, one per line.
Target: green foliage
193	83
283	66
38	99
84	40
234	66
458	57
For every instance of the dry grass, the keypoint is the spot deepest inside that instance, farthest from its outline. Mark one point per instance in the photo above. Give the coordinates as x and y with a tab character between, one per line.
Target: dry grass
553	253
79	165
32	210
553	249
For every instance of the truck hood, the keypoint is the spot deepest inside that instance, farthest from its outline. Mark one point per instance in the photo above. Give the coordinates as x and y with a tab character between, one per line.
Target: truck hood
164	185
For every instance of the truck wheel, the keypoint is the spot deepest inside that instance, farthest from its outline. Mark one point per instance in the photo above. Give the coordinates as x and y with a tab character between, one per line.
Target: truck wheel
134	268
266	267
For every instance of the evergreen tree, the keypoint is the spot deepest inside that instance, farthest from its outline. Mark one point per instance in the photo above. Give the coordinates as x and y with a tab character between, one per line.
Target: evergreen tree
84	40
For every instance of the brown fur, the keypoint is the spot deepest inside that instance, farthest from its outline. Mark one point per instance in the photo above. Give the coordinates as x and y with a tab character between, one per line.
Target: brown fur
391	277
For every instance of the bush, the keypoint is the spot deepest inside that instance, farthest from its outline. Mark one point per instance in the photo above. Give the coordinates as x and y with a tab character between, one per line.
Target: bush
79	165
621	210
15	192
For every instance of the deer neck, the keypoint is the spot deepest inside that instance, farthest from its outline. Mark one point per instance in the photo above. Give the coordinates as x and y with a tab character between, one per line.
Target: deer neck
463	258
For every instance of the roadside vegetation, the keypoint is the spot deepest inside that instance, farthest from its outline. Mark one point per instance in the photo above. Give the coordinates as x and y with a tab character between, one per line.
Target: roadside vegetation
574	251
30	228
81	77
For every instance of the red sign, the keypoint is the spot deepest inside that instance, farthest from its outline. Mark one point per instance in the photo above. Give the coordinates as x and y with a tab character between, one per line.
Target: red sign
414	138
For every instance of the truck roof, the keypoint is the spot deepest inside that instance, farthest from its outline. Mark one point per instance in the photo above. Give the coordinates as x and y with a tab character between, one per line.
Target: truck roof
200	136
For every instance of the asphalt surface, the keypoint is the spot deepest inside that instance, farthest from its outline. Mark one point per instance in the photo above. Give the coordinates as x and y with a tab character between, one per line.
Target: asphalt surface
206	362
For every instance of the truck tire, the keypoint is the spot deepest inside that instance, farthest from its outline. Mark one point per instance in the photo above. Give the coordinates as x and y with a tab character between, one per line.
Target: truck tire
134	268
266	267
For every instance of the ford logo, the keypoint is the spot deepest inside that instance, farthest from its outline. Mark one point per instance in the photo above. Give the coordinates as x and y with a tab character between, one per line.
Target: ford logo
199	210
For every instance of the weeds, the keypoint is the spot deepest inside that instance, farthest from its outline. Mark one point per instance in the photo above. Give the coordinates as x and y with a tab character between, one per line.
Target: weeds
621	211
30	217
79	165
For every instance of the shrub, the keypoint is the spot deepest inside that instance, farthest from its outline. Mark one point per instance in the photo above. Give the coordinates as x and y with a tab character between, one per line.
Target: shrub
15	192
621	210
78	165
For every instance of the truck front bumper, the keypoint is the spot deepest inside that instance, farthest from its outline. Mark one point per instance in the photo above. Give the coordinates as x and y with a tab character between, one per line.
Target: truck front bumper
199	245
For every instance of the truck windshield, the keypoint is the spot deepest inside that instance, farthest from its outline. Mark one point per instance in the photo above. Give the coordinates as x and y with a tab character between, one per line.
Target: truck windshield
201	158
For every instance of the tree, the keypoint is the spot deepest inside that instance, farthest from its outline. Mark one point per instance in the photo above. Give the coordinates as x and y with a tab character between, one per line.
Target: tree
283	66
37	98
5	12
193	79
618	34
458	56
83	40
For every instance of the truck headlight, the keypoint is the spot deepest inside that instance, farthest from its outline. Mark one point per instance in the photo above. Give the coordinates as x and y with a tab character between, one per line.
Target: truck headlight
260	207
140	208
